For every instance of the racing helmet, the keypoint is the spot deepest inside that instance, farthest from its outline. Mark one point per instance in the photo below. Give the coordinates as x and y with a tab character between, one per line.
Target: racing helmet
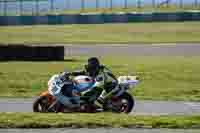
93	66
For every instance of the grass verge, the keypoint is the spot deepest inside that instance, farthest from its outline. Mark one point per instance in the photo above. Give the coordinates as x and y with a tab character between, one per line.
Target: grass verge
172	32
162	78
76	120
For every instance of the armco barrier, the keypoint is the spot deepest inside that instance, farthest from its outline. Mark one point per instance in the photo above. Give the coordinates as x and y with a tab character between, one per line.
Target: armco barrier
171	17
190	16
13	20
32	53
119	18
160	17
146	17
3	20
54	19
100	18
69	19
27	20
41	19
95	19
90	19
107	18
134	17
82	19
195	16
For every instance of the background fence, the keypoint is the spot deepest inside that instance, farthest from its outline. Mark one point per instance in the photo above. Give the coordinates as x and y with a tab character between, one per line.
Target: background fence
38	7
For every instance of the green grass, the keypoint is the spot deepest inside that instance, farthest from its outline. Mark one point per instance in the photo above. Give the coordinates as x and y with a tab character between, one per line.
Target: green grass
102	33
33	120
162	78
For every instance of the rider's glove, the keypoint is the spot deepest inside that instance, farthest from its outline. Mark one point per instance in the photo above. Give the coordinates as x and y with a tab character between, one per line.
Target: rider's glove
64	76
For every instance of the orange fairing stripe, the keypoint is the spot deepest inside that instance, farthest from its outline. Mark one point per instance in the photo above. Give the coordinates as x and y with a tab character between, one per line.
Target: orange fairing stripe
50	97
45	93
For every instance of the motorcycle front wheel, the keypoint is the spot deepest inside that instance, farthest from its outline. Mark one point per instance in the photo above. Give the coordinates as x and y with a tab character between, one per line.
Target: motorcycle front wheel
41	104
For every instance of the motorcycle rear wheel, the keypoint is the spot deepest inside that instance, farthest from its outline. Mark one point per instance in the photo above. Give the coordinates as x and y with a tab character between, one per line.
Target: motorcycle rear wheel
125	104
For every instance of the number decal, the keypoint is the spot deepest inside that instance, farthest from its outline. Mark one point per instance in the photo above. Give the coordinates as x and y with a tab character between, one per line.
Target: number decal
56	86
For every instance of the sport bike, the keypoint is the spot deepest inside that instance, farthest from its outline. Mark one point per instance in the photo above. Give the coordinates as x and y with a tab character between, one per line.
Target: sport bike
121	101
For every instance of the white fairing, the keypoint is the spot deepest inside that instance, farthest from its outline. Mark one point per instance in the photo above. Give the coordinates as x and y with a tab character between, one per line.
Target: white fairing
55	85
82	83
82	78
131	81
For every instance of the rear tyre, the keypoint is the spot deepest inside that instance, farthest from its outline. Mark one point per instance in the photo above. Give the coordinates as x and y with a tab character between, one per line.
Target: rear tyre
41	104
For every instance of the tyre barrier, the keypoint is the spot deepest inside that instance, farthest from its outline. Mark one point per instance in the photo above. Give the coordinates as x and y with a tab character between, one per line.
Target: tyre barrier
31	53
101	18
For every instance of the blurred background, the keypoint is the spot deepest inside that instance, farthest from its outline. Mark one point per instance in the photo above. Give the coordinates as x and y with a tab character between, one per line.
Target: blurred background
42	7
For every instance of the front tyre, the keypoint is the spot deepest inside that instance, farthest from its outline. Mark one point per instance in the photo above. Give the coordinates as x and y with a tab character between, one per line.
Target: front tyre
127	103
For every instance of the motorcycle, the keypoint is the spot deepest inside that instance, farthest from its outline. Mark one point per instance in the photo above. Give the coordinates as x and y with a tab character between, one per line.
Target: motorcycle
121	101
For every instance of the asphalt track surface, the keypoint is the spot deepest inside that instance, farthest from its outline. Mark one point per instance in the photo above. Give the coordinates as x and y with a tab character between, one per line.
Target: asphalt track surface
141	107
135	50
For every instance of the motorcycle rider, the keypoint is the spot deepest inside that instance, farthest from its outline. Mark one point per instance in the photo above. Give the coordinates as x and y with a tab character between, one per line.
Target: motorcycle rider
104	81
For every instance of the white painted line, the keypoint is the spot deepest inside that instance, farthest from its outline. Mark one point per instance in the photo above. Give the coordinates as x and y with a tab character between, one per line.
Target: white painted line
193	104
